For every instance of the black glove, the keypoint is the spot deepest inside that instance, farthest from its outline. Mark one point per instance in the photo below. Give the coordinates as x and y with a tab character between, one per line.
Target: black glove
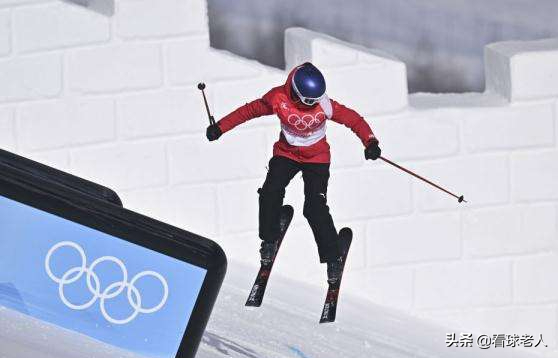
372	151
213	132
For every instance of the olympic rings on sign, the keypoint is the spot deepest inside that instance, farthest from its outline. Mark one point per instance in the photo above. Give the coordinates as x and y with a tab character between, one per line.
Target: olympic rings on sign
94	285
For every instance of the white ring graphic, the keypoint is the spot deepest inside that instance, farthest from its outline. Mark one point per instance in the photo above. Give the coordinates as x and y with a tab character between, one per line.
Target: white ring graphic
165	291
94	284
56	247
90	274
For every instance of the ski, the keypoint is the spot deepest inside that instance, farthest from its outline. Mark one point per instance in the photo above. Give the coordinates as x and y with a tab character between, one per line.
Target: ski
330	305
258	289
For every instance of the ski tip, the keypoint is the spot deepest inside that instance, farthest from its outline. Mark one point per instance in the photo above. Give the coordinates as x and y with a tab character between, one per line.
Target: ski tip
322	321
287	209
252	304
345	231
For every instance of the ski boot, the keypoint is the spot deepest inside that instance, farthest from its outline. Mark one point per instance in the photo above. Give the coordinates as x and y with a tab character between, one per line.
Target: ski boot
268	249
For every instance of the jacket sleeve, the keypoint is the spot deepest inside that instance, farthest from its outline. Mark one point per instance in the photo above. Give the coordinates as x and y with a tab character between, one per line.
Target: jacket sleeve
351	119
257	108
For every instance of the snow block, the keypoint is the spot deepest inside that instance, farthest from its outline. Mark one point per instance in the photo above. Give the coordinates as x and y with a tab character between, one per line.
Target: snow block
5	32
358	76
174	205
191	61
31	78
463	284
521	70
68	123
169	112
194	159
352	189
57	25
139	19
116	68
348	150
123	166
483	180
535	175
532	282
509	127
226	96
7	129
509	230
418	136
409	239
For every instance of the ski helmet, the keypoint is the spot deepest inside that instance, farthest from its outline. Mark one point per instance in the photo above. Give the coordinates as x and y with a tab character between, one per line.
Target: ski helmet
308	84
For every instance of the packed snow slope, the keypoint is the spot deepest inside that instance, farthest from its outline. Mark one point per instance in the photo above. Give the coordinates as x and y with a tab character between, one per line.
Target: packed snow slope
287	326
22	336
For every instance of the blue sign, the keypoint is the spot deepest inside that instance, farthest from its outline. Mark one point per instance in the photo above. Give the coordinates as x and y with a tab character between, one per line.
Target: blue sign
83	285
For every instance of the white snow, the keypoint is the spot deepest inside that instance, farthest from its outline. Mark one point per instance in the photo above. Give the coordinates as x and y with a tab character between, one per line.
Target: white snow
286	326
22	336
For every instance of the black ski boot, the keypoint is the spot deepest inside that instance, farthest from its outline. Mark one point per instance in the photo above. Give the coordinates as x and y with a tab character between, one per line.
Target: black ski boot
268	249
334	270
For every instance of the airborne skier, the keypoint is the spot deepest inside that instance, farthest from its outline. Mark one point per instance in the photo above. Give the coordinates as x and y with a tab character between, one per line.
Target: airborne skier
303	108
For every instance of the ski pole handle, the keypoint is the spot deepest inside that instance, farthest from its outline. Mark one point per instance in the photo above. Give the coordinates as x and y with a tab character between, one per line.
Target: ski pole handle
460	199
201	87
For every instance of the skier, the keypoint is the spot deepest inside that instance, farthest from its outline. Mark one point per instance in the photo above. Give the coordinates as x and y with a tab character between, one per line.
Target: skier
303	108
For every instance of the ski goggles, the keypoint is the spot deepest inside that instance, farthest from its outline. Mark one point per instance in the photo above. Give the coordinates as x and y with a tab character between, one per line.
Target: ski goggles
309	101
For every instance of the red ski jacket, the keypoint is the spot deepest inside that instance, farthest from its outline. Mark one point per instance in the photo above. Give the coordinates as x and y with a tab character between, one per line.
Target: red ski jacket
303	127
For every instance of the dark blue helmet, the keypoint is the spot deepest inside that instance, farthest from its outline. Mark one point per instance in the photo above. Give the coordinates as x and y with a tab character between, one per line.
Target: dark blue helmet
309	84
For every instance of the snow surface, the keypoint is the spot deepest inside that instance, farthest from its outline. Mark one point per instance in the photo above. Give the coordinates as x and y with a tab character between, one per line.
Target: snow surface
287	326
22	336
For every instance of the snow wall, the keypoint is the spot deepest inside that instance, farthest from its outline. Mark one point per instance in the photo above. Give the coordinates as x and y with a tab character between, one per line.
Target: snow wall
115	100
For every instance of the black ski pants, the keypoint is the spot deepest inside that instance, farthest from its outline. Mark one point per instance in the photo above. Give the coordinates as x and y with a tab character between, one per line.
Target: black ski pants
315	176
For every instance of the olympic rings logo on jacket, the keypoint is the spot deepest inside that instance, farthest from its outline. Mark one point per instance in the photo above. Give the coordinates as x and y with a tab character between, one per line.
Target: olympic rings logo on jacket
307	121
94	285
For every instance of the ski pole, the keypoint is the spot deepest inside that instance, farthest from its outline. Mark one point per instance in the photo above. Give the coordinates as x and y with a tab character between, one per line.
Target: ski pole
201	87
459	198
